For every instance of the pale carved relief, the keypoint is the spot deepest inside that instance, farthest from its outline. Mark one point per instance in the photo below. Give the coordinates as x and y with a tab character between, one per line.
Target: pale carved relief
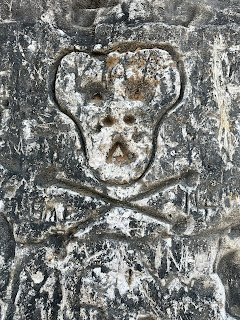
118	101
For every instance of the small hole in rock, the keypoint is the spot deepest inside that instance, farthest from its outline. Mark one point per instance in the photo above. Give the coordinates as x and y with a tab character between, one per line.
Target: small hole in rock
99	127
97	97
129	119
108	121
130	275
6	103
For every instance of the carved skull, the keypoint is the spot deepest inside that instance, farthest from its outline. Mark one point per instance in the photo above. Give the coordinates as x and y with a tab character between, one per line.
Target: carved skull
116	101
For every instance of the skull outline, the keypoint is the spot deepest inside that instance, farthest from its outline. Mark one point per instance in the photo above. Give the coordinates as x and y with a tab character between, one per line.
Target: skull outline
99	93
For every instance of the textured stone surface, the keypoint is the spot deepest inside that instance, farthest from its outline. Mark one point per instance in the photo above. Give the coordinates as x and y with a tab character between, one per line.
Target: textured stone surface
119	162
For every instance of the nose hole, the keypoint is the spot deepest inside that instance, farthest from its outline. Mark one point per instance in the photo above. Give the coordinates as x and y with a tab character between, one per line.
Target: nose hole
129	119
108	121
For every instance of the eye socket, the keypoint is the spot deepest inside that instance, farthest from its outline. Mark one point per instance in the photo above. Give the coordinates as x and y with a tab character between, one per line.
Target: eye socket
108	121
129	119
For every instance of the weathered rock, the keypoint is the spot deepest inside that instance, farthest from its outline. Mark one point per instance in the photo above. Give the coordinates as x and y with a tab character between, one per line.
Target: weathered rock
119	162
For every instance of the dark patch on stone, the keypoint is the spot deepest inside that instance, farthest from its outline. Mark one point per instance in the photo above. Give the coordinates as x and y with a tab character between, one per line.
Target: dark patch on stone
229	271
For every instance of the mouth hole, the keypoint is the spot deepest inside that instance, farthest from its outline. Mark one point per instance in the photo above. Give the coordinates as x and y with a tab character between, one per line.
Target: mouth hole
119	154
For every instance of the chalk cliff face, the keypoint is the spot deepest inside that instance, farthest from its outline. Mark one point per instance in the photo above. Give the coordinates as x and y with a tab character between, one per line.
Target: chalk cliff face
120	160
